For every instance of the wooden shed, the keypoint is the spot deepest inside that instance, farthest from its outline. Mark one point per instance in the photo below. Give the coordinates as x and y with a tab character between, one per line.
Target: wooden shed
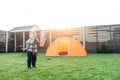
21	34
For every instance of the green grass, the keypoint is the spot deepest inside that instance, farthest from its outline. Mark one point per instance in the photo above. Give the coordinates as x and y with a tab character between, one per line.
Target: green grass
92	67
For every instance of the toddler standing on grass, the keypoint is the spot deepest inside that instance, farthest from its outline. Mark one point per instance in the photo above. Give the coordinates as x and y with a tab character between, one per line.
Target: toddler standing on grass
31	45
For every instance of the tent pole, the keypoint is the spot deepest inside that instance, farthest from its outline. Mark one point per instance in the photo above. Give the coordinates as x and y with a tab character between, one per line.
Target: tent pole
6	41
68	47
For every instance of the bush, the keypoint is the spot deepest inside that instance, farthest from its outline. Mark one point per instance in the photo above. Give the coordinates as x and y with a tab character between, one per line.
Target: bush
103	48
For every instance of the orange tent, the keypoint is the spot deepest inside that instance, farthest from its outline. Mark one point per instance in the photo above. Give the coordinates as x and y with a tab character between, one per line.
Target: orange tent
65	46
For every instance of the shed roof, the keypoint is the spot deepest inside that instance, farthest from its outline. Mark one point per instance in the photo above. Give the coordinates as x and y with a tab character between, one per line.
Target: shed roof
25	28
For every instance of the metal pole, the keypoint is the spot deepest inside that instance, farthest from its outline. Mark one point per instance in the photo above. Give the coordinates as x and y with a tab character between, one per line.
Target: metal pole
6	41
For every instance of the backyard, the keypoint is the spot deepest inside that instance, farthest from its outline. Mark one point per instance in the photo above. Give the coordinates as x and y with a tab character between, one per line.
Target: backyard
92	67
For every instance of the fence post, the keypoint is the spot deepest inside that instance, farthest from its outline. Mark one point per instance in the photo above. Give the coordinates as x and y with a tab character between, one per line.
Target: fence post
15	42
6	41
23	40
50	37
83	36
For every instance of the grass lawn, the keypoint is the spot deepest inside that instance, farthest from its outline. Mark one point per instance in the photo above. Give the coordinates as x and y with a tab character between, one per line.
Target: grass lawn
92	67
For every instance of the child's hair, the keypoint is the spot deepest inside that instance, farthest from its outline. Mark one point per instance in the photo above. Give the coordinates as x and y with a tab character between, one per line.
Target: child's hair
34	33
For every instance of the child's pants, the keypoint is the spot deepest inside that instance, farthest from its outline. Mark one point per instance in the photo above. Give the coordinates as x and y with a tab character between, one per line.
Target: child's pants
31	59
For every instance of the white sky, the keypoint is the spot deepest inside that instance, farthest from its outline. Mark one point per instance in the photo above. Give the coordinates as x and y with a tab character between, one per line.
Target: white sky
58	13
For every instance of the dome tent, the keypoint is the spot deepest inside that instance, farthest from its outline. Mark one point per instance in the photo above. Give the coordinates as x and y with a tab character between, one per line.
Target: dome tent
65	46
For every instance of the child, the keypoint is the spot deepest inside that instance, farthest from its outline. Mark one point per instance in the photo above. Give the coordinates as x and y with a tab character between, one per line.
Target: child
31	45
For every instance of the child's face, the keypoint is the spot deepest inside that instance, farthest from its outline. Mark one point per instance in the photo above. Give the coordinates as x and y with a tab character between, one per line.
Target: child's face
32	36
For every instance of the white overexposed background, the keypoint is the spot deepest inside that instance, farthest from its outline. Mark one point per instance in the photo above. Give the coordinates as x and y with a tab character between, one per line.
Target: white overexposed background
58	13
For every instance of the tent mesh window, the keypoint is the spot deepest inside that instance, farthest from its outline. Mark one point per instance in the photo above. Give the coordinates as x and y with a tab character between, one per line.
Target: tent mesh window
63	53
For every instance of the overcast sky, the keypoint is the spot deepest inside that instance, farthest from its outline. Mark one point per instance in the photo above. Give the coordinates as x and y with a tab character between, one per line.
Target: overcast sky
58	13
